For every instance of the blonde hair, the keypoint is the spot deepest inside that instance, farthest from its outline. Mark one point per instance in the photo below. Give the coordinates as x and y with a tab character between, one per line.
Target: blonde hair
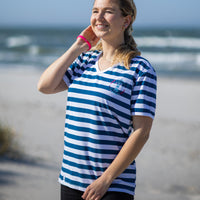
125	52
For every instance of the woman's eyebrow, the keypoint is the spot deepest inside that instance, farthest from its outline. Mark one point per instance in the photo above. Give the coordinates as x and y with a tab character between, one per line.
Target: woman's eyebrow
105	8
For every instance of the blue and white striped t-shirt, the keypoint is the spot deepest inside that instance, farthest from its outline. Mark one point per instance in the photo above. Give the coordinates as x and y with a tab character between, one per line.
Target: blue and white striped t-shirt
99	114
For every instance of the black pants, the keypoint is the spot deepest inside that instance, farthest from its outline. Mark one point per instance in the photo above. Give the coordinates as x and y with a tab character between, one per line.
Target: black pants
71	194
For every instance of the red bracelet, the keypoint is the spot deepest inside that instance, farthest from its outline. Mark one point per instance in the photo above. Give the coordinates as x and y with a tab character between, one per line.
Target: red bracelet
88	43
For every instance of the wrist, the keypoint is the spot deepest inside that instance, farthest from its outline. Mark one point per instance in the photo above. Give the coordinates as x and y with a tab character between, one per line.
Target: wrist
81	45
107	178
85	40
77	48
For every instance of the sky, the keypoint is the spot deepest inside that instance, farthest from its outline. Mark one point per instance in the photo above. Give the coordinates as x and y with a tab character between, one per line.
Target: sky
170	13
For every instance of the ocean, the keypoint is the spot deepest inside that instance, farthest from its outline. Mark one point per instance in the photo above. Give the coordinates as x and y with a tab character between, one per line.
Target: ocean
171	51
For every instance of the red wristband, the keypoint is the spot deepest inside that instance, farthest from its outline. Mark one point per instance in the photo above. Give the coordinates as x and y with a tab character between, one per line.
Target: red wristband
88	43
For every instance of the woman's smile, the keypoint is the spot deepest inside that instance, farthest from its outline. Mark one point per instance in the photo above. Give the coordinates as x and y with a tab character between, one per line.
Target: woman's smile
101	26
106	20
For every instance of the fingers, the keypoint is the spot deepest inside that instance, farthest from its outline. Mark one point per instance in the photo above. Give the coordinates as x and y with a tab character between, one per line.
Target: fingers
90	35
90	194
85	194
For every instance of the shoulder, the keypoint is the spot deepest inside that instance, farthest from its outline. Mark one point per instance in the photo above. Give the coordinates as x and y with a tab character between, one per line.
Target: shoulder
86	59
89	56
142	67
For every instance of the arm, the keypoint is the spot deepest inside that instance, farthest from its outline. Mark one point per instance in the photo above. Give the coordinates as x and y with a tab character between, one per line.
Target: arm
51	80
130	150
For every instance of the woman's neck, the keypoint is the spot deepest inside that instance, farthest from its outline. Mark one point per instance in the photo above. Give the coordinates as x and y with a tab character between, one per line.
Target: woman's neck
109	49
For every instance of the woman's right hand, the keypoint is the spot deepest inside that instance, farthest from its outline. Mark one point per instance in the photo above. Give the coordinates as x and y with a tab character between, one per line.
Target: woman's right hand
51	80
89	35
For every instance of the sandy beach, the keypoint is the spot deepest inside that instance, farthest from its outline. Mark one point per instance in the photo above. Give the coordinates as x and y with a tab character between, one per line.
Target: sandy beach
168	166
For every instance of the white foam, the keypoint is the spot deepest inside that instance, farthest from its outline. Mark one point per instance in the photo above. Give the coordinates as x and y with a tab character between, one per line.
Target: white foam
34	50
179	42
174	59
18	41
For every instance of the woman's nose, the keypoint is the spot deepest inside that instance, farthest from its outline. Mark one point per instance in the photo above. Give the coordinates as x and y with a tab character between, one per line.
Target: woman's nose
100	16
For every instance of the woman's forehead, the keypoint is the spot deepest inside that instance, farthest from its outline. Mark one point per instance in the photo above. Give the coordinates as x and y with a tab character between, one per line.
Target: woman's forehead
110	3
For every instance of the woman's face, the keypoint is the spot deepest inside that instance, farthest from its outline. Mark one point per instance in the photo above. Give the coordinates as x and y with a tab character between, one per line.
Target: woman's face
107	21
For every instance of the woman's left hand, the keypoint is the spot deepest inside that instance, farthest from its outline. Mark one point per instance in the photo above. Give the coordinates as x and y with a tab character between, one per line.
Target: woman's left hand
97	189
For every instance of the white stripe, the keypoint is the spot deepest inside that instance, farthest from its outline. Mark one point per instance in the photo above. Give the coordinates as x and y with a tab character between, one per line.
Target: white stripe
92	145
100	100
94	136
91	116
82	171
144	97
85	162
89	153
95	127
76	178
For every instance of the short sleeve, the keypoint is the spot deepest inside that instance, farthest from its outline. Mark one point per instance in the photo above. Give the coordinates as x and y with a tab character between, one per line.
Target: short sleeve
75	70
143	99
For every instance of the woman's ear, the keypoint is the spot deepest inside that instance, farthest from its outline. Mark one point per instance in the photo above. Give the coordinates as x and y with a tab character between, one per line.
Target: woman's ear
127	21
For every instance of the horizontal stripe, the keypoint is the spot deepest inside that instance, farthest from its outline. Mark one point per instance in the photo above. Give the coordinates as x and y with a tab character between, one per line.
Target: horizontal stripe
88	139
150	94
93	131
145	83
98	121
115	185
143	101
81	166
90	149
142	111
96	136
88	158
91	121
102	95
97	86
73	182
90	111
100	105
84	176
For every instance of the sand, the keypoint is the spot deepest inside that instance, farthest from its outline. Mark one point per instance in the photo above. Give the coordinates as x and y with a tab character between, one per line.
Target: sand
167	168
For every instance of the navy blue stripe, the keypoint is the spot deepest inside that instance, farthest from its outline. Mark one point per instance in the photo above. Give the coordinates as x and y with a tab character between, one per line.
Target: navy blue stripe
91	121
94	141
87	58
143	101
147	93
67	180
151	76
121	74
101	78
127	180
68	76
95	168
88	111
95	113
141	110
146	83
81	166
108	88
102	95
90	149
99	104
84	59
116	185
93	131
88	158
130	171
85	176
141	62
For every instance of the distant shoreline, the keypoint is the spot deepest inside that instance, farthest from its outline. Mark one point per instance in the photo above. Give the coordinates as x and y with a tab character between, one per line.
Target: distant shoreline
80	27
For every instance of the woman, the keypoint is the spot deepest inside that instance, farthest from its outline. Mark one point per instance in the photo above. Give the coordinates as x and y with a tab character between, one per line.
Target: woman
110	107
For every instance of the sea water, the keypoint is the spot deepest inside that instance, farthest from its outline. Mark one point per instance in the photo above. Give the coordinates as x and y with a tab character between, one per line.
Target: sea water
171	51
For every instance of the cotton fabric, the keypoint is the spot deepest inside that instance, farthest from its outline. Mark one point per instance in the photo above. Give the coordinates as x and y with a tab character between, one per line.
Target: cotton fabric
99	112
